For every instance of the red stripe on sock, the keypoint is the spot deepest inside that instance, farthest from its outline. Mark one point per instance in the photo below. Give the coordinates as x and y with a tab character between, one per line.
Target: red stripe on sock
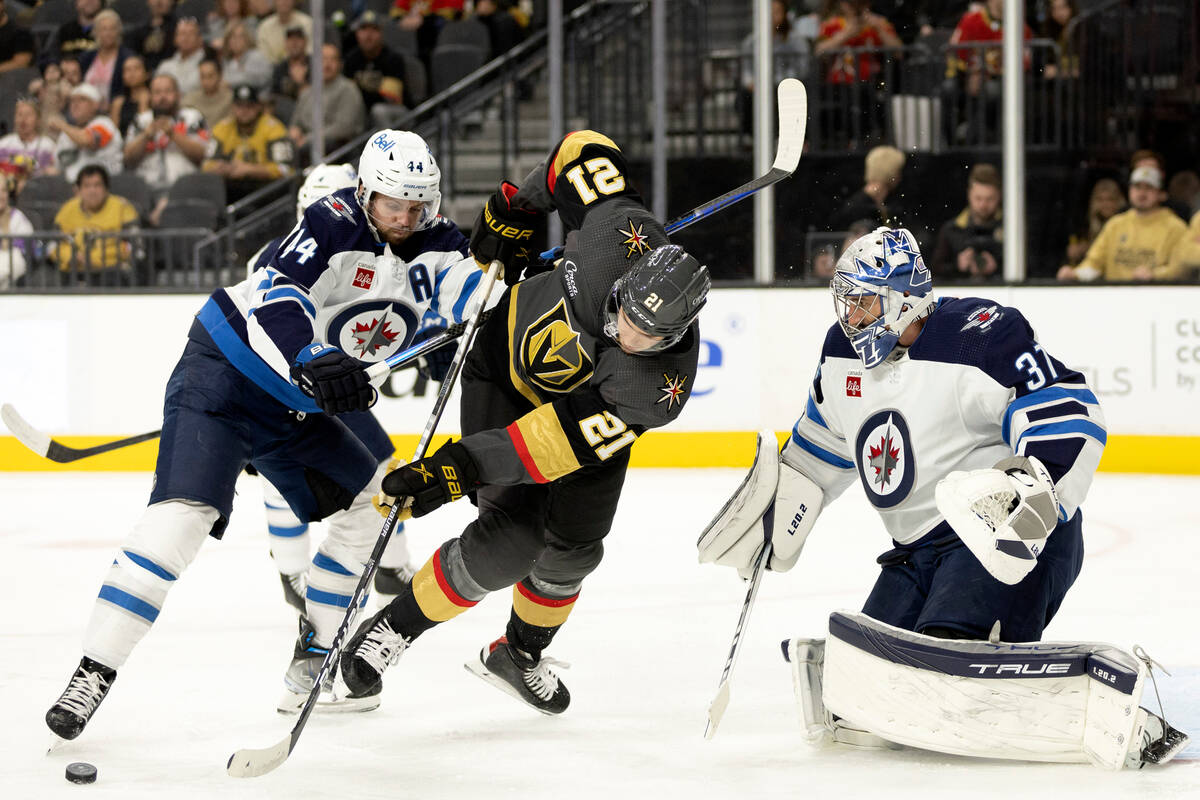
548	602
445	586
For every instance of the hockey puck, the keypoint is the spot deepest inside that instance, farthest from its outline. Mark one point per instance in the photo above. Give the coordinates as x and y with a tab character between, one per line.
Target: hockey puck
81	772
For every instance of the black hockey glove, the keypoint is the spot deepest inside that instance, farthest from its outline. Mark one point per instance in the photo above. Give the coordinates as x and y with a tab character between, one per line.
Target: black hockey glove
435	480
434	365
506	234
337	382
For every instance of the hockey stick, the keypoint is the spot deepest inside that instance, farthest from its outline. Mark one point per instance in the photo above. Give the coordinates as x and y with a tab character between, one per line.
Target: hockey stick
46	447
250	763
793	120
716	709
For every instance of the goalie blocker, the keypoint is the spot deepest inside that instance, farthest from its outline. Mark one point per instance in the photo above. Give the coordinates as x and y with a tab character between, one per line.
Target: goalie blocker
1044	701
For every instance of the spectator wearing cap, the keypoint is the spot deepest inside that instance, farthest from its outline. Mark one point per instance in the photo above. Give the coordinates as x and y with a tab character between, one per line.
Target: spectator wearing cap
291	74
89	138
104	66
16	43
1138	244
76	36
27	138
155	40
271	30
167	141
249	147
214	98
342	115
1149	158
376	69
242	62
190	50
106	262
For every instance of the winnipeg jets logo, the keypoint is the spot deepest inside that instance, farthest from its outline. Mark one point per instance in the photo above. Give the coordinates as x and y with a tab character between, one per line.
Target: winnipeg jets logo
674	390
983	318
884	459
369	337
635	239
884	456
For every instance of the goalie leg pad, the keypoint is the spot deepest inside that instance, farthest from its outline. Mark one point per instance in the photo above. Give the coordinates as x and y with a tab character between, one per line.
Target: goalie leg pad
1042	701
735	535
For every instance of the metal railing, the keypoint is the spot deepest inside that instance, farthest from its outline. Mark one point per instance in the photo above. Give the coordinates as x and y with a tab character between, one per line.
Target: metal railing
140	259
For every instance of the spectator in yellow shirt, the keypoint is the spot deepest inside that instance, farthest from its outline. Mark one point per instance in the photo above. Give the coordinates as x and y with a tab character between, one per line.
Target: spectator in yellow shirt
95	260
1137	244
249	147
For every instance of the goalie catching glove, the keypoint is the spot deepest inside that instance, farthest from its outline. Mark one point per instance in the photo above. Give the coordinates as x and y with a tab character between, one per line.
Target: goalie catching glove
775	503
431	482
1003	515
505	234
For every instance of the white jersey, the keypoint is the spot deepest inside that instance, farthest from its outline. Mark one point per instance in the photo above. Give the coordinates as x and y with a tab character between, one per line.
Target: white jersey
975	387
330	281
108	151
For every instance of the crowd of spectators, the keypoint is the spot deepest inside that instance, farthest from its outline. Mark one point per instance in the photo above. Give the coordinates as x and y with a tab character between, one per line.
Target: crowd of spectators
221	87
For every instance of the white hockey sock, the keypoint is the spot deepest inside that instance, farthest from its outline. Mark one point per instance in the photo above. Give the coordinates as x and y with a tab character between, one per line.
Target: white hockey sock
396	553
332	579
290	546
161	545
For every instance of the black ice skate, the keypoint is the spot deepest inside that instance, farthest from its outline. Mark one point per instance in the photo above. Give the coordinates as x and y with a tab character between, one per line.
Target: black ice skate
301	676
294	587
373	649
88	686
514	671
392	581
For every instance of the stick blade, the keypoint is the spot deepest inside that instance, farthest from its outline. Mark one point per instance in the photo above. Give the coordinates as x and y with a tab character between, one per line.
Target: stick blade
793	121
716	710
26	434
251	763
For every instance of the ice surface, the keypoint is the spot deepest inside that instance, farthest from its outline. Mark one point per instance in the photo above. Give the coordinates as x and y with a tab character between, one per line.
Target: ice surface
647	642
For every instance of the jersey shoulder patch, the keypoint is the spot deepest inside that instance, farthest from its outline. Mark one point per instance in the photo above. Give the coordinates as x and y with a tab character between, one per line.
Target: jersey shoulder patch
973	331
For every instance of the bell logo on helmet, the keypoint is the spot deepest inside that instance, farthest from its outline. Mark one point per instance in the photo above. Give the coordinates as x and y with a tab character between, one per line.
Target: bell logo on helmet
385	143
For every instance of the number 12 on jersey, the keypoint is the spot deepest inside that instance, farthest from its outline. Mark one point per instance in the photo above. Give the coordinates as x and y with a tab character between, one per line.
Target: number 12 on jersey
600	429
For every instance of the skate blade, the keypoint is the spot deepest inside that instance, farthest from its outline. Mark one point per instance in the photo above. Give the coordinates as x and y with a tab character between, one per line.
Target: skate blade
478	669
328	703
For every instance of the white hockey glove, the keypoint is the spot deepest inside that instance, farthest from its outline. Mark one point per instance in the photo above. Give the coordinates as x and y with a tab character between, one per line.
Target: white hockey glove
774	499
1003	514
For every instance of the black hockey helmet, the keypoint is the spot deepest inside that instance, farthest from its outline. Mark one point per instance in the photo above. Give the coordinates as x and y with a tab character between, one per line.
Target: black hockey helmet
661	294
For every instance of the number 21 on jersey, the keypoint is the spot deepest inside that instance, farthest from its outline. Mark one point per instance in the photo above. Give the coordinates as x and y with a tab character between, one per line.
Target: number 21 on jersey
606	434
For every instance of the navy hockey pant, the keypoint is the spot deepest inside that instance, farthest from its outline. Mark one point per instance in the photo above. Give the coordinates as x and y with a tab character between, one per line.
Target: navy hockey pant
936	583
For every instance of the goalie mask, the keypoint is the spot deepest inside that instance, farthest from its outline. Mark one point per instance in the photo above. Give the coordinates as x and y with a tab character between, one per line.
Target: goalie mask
324	179
661	294
400	165
880	286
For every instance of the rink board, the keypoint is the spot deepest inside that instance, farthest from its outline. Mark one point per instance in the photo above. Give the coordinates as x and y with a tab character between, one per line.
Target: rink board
90	369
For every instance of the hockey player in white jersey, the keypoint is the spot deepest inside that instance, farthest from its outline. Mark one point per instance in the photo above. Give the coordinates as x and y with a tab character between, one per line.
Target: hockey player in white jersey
289	536
977	448
268	365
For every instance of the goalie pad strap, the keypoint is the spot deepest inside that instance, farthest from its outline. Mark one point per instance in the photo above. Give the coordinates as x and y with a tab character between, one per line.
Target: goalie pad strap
1042	701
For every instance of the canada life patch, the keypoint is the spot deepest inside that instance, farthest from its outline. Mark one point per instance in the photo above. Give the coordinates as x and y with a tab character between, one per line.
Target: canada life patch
364	277
853	386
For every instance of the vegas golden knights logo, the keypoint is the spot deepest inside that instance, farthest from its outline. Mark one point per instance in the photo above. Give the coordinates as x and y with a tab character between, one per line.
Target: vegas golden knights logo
554	358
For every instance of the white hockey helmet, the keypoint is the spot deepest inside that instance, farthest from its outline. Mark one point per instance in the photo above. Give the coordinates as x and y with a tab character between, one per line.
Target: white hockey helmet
399	164
885	265
322	180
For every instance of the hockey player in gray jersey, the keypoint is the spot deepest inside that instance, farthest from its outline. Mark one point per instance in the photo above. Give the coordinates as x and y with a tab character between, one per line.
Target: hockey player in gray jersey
573	365
977	448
